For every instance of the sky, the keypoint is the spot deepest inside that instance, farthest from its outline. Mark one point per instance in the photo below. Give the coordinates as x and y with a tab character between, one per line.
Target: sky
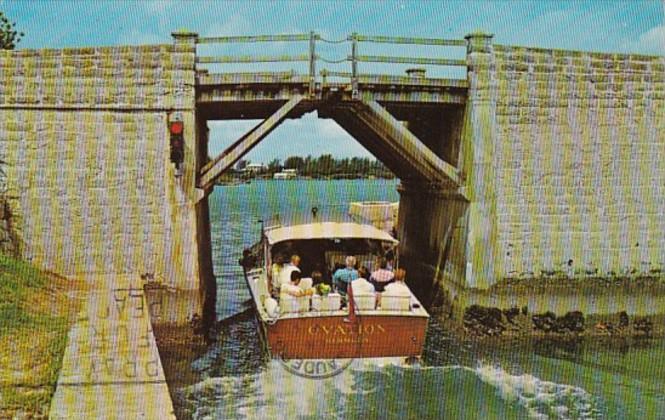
609	26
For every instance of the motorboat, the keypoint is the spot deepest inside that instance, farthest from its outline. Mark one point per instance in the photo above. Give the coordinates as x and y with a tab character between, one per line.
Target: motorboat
330	325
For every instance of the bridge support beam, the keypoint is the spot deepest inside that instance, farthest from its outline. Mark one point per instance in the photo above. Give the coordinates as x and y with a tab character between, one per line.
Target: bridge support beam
406	145
211	171
479	134
347	119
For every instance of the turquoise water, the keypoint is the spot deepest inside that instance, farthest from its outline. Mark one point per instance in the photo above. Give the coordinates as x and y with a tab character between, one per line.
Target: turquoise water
541	380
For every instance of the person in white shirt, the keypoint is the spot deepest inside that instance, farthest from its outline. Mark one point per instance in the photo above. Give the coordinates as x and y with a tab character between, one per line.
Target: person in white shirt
360	285
291	293
396	296
285	274
293	288
363	291
399	287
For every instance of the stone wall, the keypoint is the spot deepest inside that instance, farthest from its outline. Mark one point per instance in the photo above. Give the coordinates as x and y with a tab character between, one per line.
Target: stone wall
89	182
8	239
579	163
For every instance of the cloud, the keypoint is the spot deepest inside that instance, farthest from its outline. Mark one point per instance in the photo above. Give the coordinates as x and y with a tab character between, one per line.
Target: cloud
160	7
307	135
652	41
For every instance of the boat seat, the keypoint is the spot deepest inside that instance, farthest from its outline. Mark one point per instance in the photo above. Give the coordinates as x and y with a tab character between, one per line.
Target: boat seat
292	304
365	301
395	303
331	302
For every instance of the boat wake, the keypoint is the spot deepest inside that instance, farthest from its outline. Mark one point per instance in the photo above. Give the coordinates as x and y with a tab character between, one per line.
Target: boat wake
542	399
367	388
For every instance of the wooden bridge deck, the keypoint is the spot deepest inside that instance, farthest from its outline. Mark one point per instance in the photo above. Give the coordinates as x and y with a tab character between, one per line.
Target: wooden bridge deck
258	95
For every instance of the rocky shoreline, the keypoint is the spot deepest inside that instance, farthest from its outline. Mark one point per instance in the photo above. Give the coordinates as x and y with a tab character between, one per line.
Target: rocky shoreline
480	323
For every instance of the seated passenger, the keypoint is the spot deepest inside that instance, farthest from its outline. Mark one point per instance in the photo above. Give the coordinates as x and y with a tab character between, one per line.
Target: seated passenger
275	274
399	287
248	260
293	288
390	257
363	291
360	285
317	277
346	275
382	276
292	297
397	295
285	275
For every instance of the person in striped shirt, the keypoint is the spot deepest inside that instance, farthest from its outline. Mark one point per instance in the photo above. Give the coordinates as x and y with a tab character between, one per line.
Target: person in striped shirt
382	276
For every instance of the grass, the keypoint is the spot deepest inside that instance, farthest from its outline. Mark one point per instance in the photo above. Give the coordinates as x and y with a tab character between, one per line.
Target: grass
35	316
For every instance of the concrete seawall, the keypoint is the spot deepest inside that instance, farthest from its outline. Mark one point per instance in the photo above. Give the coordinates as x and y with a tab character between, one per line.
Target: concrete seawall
111	367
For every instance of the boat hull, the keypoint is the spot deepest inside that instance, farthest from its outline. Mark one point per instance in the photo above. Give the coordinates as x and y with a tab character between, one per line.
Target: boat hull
334	337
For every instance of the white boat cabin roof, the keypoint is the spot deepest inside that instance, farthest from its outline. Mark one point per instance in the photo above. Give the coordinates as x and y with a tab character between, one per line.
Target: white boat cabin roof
327	230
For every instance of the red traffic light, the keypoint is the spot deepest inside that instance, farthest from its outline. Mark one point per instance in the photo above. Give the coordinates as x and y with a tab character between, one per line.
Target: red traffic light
176	127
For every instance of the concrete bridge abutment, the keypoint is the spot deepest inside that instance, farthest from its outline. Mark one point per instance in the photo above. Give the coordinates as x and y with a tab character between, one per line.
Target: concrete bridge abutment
561	160
89	182
563	163
449	232
479	135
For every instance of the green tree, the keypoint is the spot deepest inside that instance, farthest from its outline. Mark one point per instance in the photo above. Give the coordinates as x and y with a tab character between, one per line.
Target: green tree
308	166
274	166
294	162
325	164
9	36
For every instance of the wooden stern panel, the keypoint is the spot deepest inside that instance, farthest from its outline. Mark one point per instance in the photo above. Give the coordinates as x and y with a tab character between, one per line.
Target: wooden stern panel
333	338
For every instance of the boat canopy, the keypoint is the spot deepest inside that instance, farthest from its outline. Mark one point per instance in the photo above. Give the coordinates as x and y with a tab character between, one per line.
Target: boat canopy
327	230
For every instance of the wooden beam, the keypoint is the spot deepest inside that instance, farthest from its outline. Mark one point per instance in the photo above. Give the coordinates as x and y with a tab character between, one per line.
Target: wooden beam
410	60
346	118
213	169
254	38
250	58
409	146
415	41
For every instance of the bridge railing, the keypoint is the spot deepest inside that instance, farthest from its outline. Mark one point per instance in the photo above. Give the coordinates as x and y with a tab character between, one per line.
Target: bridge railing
225	59
312	57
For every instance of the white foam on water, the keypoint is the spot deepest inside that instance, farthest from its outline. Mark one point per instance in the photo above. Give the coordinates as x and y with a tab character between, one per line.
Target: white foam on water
277	393
542	399
224	396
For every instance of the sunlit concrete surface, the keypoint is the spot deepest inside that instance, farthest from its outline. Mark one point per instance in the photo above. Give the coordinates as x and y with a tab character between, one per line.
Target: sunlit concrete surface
111	367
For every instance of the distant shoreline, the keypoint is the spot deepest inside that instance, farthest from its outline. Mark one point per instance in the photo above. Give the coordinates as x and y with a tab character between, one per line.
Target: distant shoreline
238	181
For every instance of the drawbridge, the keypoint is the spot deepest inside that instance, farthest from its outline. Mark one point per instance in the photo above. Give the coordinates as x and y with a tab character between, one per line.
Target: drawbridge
383	112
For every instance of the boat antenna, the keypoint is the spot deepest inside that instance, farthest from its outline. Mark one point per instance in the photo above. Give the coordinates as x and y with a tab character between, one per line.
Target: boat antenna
314	211
262	228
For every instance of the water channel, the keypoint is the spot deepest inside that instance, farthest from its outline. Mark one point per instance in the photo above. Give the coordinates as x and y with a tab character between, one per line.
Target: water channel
455	380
